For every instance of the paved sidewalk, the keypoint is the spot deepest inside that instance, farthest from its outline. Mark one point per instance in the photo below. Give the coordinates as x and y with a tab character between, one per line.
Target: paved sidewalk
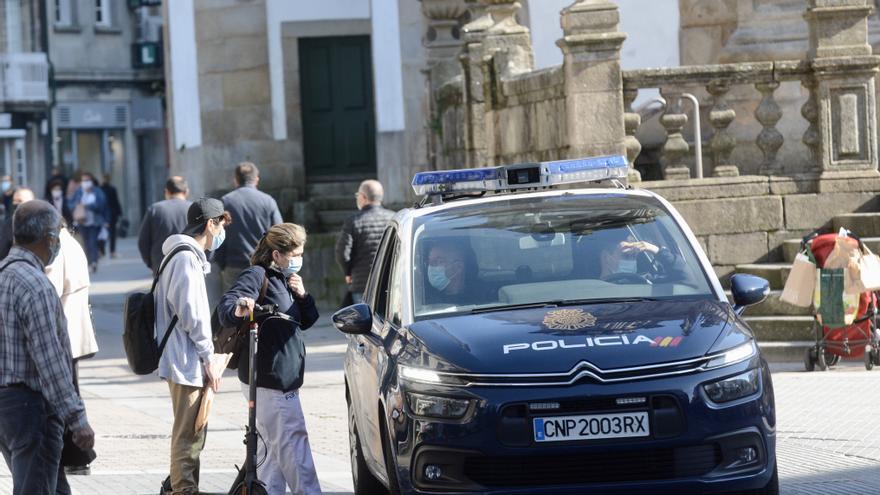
829	438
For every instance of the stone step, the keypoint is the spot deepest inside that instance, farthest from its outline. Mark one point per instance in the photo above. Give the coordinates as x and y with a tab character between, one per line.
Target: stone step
781	328
772	306
861	224
775	273
785	352
332	220
334	188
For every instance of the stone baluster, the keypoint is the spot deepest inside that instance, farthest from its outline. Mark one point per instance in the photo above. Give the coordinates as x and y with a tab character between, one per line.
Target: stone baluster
676	148
810	112
769	139
720	117
631	123
443	37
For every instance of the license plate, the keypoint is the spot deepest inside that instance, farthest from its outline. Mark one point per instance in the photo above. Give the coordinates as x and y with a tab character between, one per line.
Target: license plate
591	427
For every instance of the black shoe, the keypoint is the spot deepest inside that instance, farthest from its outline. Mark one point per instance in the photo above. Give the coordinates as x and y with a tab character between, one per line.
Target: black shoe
78	470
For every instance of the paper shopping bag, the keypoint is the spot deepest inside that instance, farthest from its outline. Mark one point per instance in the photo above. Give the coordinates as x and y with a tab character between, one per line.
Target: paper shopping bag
801	282
219	363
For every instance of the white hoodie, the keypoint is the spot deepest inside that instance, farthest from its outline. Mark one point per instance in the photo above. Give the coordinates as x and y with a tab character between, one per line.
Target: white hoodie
181	291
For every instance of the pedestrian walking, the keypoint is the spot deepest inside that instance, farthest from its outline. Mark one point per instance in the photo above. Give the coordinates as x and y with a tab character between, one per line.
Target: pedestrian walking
359	240
37	394
21	195
89	209
114	212
280	357
56	177
163	219
186	364
254	212
55	196
7	187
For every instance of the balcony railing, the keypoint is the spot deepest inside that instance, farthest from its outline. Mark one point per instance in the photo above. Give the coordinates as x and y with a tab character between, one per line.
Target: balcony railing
25	78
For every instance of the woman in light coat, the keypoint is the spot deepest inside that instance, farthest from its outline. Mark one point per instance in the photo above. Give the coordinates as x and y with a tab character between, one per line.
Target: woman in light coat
69	274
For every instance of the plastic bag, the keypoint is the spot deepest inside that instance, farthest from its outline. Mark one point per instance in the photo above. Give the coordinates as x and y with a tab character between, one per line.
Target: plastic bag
834	308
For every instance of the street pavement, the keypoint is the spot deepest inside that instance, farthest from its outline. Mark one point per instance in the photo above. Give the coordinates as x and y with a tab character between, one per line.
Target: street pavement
828	440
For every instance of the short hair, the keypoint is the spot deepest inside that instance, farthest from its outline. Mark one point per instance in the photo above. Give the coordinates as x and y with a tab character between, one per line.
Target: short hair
372	190
34	221
282	237
246	173
23	191
176	185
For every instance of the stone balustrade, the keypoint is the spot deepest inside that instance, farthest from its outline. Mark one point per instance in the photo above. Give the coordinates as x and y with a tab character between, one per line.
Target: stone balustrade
717	80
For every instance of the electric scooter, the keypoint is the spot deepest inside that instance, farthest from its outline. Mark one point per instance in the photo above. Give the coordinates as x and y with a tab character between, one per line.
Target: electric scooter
247	482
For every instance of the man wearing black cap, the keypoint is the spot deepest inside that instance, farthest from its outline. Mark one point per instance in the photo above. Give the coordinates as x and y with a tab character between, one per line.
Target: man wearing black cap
186	363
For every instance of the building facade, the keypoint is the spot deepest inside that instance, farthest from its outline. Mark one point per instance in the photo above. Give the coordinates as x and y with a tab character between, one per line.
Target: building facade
107	88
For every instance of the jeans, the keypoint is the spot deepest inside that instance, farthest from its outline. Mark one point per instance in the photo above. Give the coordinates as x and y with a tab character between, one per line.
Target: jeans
90	239
31	441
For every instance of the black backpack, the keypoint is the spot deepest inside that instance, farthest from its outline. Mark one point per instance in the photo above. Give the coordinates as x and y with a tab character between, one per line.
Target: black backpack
231	340
139	335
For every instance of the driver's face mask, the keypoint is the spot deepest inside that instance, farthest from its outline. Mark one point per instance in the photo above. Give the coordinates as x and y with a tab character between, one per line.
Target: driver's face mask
627	265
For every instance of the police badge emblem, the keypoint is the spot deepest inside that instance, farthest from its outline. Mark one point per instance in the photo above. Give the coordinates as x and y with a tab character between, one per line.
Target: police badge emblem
568	319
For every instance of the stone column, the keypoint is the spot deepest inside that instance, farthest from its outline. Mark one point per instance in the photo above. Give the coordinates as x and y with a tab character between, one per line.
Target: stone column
591	46
506	51
471	60
443	42
844	68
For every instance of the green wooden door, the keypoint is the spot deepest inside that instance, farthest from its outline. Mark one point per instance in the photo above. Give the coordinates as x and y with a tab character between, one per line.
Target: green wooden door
336	80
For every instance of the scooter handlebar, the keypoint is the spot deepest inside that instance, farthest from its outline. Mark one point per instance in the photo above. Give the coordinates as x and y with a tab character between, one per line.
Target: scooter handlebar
270	310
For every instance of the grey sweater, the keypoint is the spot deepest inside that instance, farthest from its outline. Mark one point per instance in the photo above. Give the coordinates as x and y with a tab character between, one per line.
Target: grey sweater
359	241
253	212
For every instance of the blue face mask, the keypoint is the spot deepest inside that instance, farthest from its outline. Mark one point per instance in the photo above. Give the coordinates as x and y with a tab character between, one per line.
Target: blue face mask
294	265
218	240
5	185
437	277
627	266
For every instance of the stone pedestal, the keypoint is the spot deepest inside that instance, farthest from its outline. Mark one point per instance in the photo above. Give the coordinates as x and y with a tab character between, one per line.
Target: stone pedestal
844	72
591	63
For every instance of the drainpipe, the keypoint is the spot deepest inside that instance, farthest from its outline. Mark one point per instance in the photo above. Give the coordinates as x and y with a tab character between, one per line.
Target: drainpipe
44	40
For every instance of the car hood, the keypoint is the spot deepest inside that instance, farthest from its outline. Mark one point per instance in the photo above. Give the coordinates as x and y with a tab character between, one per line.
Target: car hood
547	340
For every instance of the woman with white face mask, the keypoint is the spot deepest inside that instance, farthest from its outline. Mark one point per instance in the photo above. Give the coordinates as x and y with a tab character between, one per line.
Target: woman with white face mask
274	271
88	207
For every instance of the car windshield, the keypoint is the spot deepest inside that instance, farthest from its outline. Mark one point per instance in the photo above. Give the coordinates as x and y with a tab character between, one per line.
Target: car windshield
559	250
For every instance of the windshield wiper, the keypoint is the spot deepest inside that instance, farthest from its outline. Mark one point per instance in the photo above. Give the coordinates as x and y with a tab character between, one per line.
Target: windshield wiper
605	300
502	307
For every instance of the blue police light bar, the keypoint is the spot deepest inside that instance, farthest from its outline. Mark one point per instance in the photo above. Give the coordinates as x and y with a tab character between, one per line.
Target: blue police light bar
521	176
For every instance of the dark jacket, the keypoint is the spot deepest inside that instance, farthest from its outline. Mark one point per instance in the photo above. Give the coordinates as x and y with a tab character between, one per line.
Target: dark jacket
5	237
281	354
359	241
162	219
98	209
253	212
114	209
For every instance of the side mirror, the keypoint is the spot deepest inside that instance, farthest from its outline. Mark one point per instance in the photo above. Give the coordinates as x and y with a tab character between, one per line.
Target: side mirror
354	320
748	290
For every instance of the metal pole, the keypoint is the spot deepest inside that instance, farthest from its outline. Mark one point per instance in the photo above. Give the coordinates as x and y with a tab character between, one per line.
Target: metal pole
698	135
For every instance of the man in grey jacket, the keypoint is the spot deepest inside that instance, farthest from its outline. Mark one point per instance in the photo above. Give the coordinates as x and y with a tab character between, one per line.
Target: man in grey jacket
360	237
254	212
186	363
162	220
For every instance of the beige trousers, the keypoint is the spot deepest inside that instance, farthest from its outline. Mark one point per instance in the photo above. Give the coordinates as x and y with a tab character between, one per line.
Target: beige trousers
186	445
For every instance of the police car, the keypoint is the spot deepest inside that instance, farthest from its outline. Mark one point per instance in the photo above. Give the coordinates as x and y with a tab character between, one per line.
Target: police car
521	335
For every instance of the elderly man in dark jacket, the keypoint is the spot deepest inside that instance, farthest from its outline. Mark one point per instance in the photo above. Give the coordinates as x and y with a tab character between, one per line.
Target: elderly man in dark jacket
360	237
163	219
254	212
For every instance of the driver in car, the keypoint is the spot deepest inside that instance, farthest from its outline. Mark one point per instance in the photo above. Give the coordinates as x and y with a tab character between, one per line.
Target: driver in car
621	259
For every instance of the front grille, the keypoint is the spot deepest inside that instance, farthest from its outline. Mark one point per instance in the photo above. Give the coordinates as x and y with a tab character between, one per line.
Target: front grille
600	467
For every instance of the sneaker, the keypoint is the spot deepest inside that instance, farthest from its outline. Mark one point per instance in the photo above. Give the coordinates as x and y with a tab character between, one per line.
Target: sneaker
78	470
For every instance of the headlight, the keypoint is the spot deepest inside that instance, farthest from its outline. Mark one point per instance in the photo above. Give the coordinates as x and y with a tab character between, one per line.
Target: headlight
734	388
735	355
423	375
437	407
